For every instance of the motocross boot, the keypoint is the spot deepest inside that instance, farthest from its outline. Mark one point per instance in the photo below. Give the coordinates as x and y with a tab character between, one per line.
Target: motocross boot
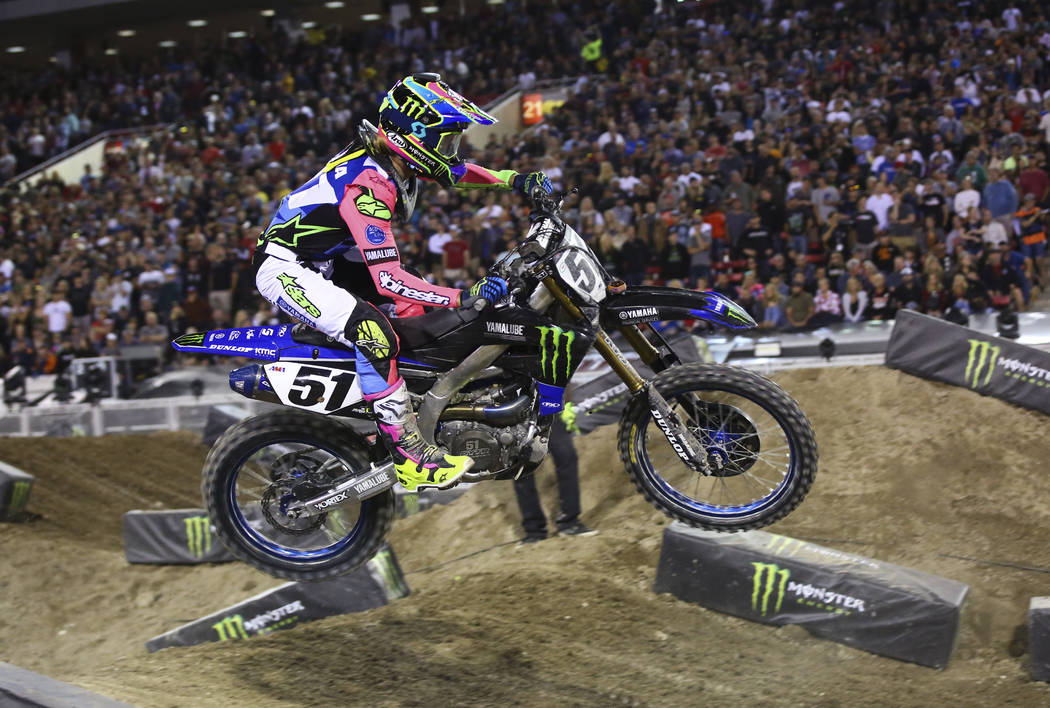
418	464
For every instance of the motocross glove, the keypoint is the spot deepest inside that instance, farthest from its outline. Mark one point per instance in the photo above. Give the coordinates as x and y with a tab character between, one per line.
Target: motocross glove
568	417
526	183
490	287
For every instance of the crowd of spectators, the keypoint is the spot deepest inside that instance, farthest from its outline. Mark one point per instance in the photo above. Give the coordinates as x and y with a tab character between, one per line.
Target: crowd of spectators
817	162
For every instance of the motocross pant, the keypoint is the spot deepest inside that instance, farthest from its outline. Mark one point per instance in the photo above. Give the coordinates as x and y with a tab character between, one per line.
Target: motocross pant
305	291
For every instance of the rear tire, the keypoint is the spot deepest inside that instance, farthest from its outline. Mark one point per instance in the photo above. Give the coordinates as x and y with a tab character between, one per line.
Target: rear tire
741	445
335	438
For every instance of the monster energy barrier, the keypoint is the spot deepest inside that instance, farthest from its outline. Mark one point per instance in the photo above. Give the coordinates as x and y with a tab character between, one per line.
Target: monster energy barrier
1039	638
992	366
15	489
176	536
372	585
198	535
772	579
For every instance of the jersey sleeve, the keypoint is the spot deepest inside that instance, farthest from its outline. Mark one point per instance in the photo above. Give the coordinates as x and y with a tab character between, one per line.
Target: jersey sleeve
478	177
367	207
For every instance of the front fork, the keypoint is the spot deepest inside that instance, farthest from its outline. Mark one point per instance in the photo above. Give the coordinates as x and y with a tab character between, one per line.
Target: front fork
681	439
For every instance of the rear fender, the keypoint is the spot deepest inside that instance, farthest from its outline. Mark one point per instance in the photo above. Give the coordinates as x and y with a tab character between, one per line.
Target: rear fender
269	343
652	303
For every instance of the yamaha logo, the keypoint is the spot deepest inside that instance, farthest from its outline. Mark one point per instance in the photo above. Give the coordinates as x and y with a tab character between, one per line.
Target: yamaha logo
639	313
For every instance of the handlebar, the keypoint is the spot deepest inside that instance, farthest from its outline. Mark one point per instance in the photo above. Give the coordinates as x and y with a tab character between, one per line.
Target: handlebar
475	302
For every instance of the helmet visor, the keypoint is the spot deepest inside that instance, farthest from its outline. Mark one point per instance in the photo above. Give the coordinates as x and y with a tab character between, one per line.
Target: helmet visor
448	144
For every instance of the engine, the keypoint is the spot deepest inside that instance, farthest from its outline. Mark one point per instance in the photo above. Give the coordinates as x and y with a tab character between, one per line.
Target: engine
494	449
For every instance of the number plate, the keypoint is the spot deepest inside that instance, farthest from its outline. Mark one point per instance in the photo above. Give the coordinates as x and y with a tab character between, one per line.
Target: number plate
577	269
314	388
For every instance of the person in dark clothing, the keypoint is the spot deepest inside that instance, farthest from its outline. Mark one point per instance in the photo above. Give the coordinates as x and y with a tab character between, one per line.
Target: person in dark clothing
634	258
674	261
885	253
757	241
533	520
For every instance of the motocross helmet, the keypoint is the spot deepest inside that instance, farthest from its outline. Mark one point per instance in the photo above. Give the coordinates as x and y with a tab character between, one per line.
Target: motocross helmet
422	120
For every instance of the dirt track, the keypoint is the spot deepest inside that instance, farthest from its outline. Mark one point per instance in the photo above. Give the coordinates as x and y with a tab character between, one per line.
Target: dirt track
910	470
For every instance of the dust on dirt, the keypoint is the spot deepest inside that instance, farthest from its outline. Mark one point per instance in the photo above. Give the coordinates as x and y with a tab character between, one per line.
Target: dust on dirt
911	472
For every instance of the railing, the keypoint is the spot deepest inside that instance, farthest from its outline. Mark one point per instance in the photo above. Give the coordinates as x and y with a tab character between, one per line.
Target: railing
109	417
77	150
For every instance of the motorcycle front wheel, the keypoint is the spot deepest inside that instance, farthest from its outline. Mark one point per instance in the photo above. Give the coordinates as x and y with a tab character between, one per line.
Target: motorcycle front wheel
251	476
759	446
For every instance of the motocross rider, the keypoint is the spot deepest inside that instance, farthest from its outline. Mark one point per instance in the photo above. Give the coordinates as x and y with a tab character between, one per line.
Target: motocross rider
345	212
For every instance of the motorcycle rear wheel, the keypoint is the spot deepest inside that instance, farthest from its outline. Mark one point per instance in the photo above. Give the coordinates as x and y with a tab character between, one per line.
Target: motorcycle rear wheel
760	447
246	486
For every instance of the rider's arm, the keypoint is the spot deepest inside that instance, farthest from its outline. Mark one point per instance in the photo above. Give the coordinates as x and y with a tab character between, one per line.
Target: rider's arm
367	207
478	177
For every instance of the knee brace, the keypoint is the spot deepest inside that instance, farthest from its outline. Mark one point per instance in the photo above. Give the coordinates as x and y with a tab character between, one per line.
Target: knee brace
371	334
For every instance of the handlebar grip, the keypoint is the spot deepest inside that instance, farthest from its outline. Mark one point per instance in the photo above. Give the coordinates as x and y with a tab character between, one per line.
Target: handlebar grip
474	302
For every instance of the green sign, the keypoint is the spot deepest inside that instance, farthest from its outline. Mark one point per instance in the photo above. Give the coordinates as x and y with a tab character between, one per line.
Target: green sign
198	535
981	360
553	340
393	580
768	584
19	497
231	627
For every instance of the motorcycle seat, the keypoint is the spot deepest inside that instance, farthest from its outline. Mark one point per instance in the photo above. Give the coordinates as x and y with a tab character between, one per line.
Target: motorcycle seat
413	332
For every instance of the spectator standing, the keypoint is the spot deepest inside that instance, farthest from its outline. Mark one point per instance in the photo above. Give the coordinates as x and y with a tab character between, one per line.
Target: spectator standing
999	196
563	454
59	313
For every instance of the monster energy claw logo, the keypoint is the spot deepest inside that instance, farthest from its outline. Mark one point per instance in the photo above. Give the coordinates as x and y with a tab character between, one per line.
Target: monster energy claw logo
19	497
231	627
549	351
981	360
198	535
765	585
389	575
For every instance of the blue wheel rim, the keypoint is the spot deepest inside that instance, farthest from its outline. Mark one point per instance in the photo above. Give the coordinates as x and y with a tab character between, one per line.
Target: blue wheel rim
727	513
317	555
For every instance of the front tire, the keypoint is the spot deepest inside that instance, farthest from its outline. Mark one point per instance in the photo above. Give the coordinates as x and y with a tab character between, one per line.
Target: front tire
759	445
247	475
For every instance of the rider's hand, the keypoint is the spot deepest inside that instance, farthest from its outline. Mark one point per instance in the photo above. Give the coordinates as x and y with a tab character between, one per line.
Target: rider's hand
490	287
526	183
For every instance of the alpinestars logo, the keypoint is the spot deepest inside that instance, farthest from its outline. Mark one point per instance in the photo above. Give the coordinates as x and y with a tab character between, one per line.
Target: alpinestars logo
553	340
505	329
198	535
390	284
380	255
981	360
298	295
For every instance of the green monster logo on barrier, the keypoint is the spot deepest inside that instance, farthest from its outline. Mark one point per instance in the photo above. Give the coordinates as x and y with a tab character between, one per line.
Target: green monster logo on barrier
19	498
383	562
981	354
765	585
298	295
549	350
231	627
198	535
781	545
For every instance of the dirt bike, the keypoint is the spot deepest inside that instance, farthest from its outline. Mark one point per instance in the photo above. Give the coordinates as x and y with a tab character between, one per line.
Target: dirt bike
300	494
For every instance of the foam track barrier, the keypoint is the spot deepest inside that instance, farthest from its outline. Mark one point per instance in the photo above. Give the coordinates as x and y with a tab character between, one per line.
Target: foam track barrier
15	488
176	536
19	687
372	585
864	603
1039	638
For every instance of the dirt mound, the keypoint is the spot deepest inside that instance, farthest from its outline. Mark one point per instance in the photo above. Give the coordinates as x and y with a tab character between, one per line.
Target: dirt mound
911	472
